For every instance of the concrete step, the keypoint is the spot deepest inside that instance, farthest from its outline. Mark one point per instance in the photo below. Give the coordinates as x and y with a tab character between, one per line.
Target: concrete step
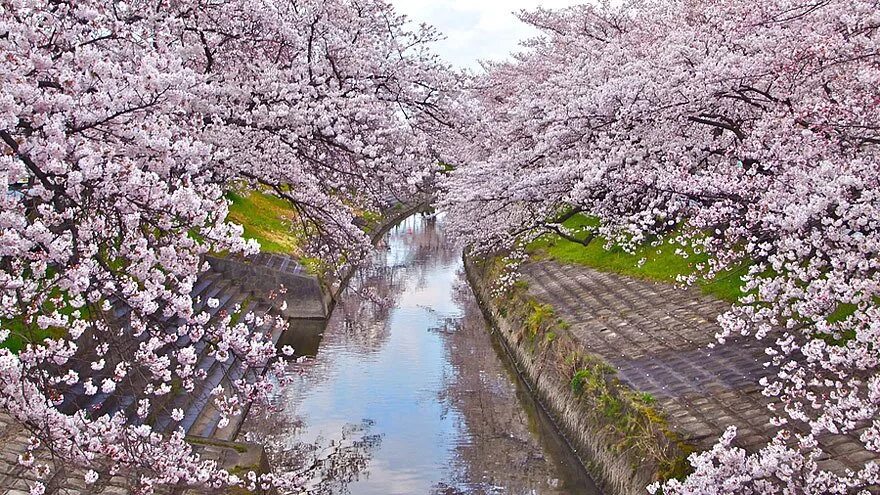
207	425
122	398
189	402
201	418
198	414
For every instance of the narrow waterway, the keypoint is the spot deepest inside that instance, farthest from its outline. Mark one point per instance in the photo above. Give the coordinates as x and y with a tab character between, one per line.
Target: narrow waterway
408	393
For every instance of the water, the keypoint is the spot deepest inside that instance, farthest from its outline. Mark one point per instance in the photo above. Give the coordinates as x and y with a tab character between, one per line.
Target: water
408	393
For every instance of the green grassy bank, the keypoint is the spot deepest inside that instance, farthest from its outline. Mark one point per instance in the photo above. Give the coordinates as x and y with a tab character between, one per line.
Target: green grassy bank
661	264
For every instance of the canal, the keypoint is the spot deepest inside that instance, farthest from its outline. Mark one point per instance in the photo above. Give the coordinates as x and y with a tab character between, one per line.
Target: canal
408	393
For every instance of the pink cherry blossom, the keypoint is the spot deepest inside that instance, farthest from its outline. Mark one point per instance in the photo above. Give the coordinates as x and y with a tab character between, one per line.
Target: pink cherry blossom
745	130
122	127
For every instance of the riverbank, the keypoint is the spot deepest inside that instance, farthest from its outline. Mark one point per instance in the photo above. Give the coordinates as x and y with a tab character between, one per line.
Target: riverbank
547	356
624	367
239	285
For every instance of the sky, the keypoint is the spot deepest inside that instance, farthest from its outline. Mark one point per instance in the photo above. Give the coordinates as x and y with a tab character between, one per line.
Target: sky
476	29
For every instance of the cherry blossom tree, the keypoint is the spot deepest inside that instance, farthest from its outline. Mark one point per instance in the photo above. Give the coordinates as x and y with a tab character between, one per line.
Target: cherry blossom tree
122	125
747	130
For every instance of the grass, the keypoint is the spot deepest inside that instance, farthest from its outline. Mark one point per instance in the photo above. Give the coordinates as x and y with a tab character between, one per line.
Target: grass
661	264
271	221
539	316
267	219
20	335
633	415
372	220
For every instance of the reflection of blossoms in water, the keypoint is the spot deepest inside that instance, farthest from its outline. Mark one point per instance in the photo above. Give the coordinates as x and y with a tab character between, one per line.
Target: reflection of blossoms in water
444	489
363	314
404	348
501	452
323	466
407	257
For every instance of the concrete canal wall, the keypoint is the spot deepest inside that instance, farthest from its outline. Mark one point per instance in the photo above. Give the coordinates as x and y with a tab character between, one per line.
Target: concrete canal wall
545	364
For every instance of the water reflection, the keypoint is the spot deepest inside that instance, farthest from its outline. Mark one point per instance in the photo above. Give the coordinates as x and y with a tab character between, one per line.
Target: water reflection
407	393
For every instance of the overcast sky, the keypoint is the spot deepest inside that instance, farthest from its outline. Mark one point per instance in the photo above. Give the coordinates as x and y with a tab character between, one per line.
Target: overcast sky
475	29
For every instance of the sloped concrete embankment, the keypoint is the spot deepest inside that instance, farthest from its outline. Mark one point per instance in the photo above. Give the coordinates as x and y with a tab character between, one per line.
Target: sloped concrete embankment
633	373
622	442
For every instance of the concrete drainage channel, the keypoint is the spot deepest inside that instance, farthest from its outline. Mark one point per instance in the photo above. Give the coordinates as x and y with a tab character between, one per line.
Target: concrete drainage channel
307	303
